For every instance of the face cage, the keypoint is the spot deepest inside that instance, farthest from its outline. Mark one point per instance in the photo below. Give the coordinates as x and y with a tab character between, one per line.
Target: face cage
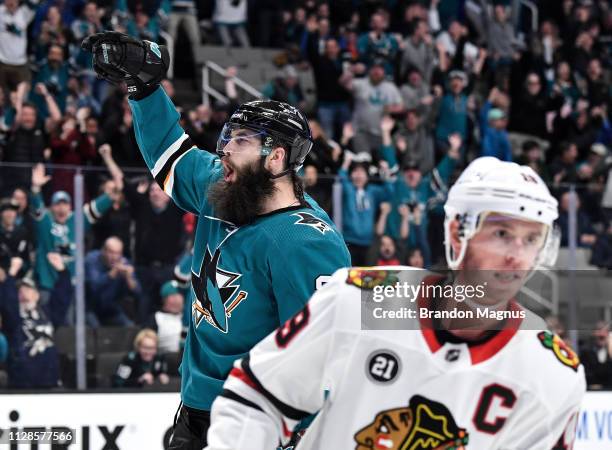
546	257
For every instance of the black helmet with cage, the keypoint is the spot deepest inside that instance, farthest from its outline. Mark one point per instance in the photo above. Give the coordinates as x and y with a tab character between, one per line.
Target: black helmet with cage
279	125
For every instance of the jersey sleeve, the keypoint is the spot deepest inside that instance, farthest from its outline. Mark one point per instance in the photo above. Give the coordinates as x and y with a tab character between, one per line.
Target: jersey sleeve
183	171
281	382
300	268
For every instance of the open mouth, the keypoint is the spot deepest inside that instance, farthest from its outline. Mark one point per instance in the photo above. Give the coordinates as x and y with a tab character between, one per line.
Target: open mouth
229	174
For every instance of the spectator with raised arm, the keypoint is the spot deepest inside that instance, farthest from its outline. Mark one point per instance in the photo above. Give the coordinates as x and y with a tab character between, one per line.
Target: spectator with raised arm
55	227
360	204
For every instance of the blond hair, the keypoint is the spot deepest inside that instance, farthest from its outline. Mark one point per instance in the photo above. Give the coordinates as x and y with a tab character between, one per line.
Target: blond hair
144	334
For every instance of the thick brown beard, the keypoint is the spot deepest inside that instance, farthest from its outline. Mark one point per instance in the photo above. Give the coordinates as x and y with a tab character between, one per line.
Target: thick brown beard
242	201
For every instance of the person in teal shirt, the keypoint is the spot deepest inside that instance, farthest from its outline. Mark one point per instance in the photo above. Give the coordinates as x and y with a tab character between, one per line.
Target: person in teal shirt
261	246
55	228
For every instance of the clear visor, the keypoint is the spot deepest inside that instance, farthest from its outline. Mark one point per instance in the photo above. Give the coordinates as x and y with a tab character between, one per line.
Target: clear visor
501	236
235	138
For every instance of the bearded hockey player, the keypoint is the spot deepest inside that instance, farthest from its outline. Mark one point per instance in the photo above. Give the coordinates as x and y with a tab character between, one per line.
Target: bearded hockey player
261	246
438	383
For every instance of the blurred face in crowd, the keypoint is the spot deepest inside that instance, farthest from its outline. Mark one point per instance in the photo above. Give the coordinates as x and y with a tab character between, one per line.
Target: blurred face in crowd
310	176
456	85
173	303
412	120
91	11
415	259
60	211
585	41
378	23
582	14
387	247
412	177
53	15
534	154
455	29
570	153
323	27
601	334
158	198
55	56
499	124
11	5
563	71
546	29
534	85
21	198
28	117
147	349
91	126
7	218
500	13
421	30
415	79
377	74
112	252
332	49
564	202
323	10
28	297
594	70
300	15
359	177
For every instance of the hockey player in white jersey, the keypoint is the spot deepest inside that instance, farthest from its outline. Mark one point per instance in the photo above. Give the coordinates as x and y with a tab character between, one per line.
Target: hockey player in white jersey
439	383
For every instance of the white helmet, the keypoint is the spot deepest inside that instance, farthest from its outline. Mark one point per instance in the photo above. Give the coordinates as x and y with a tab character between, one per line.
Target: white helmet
491	185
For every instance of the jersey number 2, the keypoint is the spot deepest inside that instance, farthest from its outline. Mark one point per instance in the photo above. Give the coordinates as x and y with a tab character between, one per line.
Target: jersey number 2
292	327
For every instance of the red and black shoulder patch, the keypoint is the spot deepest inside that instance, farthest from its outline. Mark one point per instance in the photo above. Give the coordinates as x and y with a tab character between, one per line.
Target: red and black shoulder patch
368	278
560	349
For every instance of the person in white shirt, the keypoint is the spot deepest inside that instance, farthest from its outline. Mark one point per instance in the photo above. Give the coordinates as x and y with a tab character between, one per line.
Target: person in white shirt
501	381
14	21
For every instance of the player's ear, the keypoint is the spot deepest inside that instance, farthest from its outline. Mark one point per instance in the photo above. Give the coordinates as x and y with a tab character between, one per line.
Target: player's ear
275	161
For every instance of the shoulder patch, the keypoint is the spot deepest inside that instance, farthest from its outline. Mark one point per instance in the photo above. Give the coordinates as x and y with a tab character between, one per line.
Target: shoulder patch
561	350
311	221
366	279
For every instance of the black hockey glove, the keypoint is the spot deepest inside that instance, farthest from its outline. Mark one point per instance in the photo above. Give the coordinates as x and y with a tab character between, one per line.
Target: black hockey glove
118	58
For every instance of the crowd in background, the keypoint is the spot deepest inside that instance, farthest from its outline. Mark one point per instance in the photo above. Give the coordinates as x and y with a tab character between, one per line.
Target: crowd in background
407	93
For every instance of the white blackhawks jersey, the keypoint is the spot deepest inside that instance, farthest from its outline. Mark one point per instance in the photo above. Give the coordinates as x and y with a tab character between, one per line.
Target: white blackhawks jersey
397	389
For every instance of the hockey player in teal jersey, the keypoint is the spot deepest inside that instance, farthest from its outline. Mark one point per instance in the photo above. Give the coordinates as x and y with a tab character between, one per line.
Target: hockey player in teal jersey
261	246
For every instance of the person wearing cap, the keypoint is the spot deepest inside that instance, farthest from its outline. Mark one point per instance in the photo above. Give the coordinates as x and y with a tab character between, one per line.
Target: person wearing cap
452	109
109	280
360	205
55	227
494	137
167	322
285	88
29	325
373	97
14	239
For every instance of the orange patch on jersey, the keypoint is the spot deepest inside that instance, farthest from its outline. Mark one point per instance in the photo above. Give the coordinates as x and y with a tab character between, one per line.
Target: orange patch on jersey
560	349
367	278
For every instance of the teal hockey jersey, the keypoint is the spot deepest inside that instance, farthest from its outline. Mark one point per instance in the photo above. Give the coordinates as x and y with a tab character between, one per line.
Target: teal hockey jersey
246	281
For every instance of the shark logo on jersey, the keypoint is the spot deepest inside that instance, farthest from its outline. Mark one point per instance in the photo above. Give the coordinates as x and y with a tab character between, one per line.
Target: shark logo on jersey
216	292
423	424
312	221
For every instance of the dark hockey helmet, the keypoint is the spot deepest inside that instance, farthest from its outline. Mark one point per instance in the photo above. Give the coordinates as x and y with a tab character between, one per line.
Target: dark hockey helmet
278	123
